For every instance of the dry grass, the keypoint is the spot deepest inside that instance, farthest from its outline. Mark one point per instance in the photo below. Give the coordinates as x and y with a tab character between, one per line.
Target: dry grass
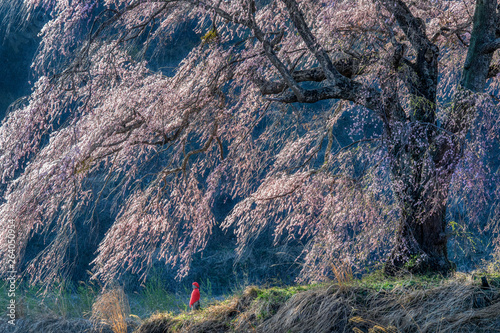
112	308
445	306
455	306
342	272
224	316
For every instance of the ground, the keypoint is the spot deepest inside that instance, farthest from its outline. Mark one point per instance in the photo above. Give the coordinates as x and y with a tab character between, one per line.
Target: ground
373	303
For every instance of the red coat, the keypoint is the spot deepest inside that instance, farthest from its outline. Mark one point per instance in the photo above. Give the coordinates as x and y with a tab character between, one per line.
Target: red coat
195	297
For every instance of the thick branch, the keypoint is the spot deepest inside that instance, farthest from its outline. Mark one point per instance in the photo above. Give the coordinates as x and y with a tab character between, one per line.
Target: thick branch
347	67
491	46
271	55
424	88
413	27
351	91
340	87
321	55
482	44
388	82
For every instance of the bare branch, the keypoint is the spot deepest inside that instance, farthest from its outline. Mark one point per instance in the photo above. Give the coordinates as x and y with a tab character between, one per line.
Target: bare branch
347	67
324	60
273	58
413	27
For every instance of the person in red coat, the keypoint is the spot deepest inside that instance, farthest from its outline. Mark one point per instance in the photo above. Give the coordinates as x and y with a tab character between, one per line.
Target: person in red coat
194	303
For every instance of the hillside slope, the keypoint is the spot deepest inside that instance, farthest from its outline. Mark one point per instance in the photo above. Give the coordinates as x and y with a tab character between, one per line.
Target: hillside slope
459	304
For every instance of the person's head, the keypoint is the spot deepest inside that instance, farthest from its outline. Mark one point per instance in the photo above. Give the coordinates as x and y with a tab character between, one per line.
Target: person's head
196	285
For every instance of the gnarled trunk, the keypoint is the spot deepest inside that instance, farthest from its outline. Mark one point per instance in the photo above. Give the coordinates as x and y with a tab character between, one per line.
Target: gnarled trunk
421	244
422	164
423	154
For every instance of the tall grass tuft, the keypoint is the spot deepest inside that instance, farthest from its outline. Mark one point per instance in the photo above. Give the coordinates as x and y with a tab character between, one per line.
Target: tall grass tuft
342	271
111	308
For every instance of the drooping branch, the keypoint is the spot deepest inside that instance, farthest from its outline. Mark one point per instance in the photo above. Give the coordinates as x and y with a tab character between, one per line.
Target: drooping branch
211	84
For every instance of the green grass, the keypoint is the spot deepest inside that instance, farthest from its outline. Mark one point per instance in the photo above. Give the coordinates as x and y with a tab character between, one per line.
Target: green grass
269	300
66	301
154	297
75	300
280	294
378	281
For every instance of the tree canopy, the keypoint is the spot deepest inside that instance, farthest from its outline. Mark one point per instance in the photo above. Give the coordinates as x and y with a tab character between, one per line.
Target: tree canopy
417	80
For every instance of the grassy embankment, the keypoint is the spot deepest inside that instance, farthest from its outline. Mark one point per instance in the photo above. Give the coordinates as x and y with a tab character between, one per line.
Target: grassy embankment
374	303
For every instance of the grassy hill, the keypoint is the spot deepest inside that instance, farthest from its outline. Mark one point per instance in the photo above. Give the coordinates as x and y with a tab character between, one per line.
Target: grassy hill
374	303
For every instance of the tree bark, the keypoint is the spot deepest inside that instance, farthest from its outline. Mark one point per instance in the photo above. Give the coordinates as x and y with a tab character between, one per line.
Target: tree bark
479	55
421	244
421	175
424	160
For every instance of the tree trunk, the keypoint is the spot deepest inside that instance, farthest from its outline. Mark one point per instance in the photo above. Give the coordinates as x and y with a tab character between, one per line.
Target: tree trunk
478	60
421	176
421	244
423	160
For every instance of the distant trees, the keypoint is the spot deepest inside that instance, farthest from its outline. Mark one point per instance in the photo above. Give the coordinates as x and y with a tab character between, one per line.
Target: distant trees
422	71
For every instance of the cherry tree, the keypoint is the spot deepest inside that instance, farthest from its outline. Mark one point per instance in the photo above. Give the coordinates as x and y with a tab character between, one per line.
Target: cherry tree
417	80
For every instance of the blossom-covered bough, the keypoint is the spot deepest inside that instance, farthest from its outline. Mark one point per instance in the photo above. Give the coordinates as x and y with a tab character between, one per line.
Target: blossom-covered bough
417	79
